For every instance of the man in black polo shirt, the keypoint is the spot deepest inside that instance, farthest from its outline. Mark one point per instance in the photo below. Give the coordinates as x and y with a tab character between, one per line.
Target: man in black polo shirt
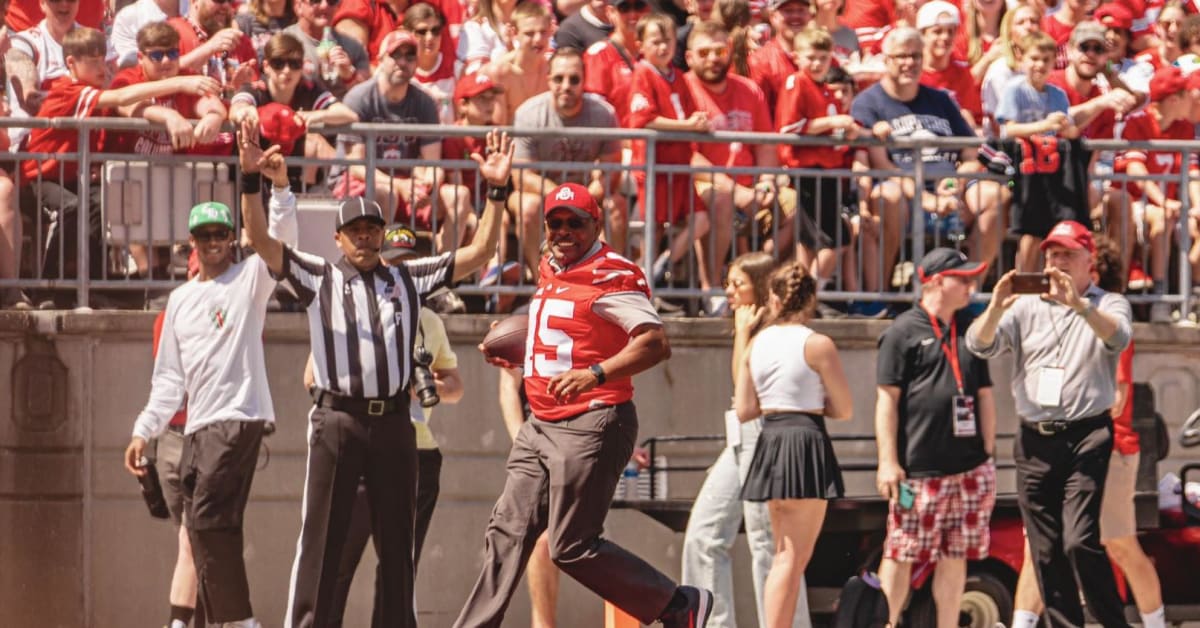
935	428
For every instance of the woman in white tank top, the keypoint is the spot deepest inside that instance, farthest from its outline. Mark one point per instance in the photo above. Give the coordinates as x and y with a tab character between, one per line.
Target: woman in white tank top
793	379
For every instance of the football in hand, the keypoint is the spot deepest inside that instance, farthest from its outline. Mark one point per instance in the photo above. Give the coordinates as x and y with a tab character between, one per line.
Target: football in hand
506	340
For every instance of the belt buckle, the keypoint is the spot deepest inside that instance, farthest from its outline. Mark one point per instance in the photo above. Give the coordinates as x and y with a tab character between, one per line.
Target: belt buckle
375	407
1046	428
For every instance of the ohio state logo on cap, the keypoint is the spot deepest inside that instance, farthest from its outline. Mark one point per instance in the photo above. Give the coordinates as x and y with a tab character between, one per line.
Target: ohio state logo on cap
564	194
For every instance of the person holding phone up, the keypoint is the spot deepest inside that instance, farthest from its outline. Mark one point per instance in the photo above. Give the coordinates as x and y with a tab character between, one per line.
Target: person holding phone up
935	429
1065	345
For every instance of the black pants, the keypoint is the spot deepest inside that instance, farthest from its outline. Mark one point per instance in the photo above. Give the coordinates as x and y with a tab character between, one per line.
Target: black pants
54	208
1060	484
217	468
342	450
429	469
561	478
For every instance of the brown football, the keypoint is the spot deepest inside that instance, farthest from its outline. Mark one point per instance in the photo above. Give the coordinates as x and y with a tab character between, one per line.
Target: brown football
506	340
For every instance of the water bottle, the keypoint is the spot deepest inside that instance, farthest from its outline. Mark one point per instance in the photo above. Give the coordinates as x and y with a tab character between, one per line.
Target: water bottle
628	486
329	74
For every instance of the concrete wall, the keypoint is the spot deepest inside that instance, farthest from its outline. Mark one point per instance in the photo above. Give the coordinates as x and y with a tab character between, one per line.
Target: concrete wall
78	549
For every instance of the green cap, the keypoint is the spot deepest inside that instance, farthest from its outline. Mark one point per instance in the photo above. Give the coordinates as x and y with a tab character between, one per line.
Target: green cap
210	213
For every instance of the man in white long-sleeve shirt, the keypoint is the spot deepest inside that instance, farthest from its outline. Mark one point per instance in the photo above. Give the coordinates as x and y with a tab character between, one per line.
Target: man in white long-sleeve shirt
211	349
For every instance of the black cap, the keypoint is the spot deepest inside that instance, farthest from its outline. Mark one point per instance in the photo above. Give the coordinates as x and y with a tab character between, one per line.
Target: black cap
399	242
946	261
357	207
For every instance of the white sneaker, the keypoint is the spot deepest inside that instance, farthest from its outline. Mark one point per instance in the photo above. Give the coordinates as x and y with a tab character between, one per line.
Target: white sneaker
716	306
1160	313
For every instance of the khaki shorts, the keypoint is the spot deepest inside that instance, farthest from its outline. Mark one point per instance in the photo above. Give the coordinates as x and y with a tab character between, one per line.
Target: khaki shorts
1116	510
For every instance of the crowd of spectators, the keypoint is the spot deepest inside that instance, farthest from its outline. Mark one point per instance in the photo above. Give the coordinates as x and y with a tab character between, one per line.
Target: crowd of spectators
1026	77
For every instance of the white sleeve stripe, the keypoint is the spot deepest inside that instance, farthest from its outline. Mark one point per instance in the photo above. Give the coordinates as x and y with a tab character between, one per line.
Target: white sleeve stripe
86	98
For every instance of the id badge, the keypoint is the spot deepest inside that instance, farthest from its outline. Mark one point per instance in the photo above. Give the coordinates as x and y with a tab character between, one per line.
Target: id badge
1049	386
733	429
964	416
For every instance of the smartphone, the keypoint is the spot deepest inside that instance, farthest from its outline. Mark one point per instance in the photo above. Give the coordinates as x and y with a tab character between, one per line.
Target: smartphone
1030	283
907	498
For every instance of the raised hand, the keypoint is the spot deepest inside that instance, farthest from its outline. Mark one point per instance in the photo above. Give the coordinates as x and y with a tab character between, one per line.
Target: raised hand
496	164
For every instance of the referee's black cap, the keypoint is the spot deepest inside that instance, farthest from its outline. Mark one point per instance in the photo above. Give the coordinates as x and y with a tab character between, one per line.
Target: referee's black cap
947	261
356	208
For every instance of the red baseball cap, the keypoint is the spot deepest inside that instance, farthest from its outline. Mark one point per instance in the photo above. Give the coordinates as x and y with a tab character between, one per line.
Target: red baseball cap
1114	15
574	197
1167	81
394	40
473	84
1071	235
279	124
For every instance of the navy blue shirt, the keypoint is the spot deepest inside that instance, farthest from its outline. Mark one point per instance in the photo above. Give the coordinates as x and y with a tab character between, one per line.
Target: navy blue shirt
931	114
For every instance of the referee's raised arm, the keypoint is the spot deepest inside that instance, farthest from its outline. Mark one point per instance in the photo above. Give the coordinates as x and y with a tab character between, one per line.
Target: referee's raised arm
495	166
256	163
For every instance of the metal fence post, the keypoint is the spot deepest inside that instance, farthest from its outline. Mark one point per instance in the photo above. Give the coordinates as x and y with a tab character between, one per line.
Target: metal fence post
917	219
650	227
83	208
1185	241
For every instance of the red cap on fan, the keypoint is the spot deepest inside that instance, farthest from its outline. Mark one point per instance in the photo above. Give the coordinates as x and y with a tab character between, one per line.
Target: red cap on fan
574	197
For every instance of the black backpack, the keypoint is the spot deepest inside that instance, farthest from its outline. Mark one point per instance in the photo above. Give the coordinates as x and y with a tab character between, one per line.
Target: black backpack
861	604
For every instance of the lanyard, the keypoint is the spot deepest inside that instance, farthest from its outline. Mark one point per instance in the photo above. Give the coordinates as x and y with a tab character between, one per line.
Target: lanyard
951	351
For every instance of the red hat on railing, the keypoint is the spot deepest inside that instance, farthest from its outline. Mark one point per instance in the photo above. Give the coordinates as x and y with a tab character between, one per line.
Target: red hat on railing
279	124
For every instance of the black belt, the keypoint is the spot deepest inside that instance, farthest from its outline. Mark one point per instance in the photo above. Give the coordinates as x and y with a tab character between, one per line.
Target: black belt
1059	426
178	429
354	405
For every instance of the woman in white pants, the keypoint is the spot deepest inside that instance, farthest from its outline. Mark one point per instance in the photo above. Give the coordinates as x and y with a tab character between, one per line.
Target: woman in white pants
719	510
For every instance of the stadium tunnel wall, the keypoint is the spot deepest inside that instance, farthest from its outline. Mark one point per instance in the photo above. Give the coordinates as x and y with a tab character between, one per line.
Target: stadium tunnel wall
77	548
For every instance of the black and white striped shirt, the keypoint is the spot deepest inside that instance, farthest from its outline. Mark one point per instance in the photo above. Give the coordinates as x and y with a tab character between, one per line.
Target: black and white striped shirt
361	324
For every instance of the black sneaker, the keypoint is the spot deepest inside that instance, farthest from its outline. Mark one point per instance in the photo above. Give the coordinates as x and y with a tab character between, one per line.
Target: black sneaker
694	614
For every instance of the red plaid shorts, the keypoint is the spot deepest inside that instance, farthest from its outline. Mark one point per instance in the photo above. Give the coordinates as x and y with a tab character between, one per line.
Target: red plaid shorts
949	518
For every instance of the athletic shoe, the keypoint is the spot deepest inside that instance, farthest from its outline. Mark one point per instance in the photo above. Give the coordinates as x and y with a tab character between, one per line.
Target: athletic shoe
694	614
1138	279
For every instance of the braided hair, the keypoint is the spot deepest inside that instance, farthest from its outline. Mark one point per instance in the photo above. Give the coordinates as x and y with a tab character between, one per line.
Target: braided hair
796	290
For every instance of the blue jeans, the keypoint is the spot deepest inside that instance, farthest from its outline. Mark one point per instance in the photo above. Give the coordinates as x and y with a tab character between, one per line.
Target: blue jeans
713	528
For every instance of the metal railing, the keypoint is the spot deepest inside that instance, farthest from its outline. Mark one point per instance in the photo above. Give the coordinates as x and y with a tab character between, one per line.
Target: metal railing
701	275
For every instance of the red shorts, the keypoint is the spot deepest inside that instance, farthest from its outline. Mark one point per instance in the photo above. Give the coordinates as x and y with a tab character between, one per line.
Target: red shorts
353	186
675	198
949	518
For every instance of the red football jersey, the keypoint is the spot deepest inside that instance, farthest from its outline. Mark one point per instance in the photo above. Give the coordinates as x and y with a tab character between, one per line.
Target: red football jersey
66	99
190	39
609	73
1061	34
375	14
870	19
1102	126
1143	125
461	148
769	68
1125	438
957	81
656	95
802	101
739	108
565	333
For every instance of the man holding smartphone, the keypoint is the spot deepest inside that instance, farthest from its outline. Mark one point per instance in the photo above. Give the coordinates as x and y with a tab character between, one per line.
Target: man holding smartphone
935	429
1065	346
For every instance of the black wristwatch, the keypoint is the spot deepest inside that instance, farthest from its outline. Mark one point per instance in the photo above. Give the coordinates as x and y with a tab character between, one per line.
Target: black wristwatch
500	193
598	372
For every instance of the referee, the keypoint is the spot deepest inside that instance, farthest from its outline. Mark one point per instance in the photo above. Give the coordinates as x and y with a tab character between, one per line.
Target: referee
362	317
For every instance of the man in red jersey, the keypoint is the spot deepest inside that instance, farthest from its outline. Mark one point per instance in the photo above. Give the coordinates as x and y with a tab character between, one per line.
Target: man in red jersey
608	65
591	328
1060	25
210	44
772	64
939	22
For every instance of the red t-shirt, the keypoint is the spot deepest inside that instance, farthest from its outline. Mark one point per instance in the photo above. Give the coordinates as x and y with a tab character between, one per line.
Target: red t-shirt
1061	34
66	98
957	81
654	95
769	68
180	418
566	333
461	148
609	73
1101	126
870	19
1125	438
377	16
739	108
802	101
191	38
1143	125
25	14
147	142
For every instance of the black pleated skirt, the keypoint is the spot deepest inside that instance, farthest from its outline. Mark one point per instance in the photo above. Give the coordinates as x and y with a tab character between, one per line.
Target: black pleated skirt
794	459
